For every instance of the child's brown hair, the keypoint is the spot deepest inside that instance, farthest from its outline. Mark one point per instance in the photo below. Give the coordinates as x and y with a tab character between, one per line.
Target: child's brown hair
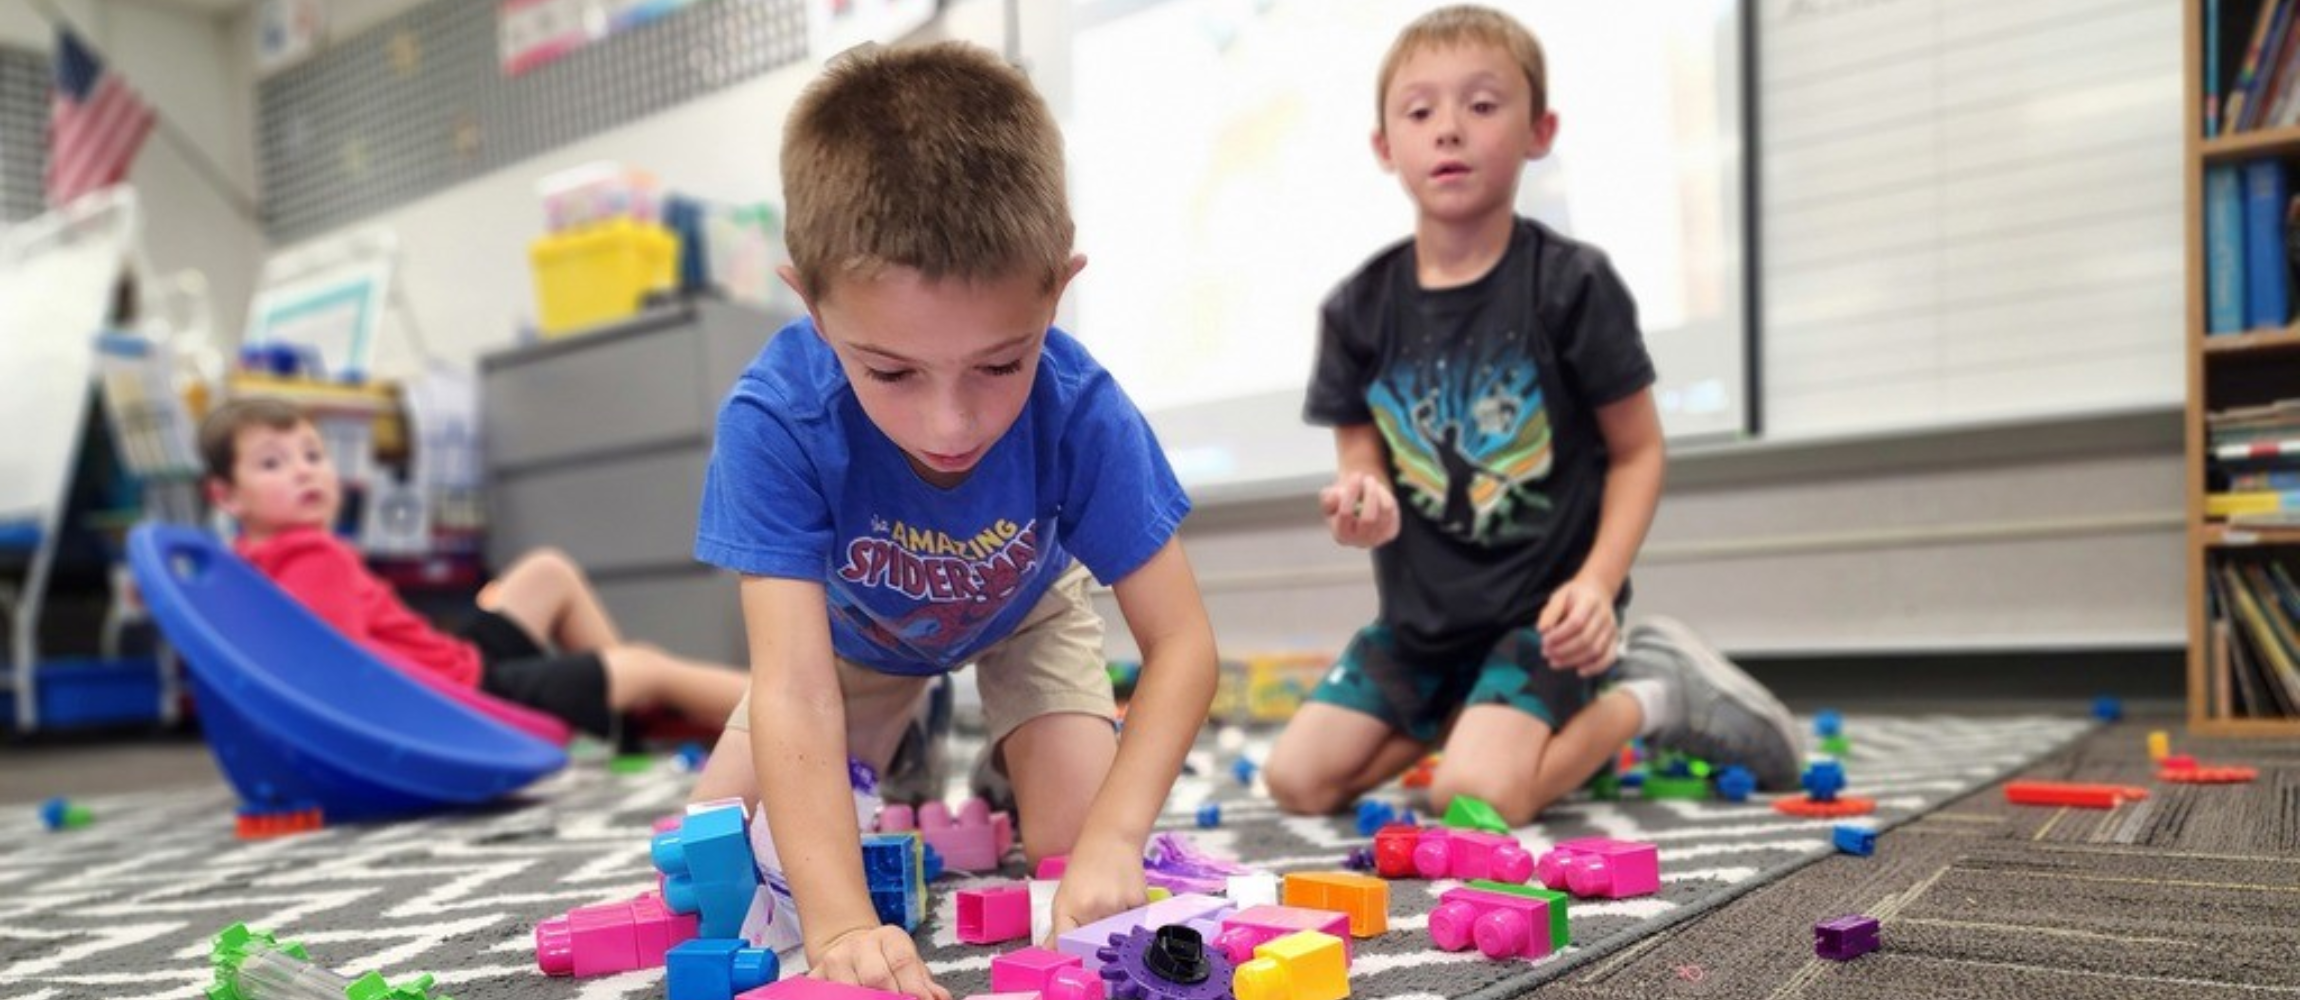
1467	24
220	432
939	158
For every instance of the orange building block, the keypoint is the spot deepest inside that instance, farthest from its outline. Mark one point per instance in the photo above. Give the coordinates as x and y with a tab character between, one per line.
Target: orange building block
1365	898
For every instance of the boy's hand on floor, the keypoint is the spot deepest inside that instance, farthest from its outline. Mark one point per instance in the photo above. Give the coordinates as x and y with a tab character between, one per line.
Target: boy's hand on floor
1360	510
882	958
1096	884
1578	631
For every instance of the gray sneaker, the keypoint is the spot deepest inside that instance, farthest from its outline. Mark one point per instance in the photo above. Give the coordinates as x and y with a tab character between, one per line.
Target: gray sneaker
920	769
1724	716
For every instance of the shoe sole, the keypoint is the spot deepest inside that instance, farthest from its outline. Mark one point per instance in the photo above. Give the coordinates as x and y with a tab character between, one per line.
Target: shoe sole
1737	686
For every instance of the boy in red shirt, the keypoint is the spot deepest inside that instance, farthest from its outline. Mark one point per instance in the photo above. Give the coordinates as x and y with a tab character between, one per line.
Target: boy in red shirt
539	636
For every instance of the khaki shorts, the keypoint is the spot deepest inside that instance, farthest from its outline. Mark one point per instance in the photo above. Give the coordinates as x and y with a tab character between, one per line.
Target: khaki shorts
1052	664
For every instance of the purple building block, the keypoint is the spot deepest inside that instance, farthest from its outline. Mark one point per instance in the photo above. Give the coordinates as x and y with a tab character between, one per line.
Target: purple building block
1170	963
1603	867
1845	938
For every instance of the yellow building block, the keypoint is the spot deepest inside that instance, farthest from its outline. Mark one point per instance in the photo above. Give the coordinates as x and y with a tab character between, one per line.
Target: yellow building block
2159	745
1365	898
1304	965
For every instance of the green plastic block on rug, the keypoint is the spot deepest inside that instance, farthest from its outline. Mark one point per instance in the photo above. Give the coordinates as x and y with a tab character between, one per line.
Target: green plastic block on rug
1560	933
1658	787
1471	813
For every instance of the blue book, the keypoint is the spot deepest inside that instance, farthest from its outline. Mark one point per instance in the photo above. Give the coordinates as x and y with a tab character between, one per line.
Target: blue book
2223	250
2268	303
2211	68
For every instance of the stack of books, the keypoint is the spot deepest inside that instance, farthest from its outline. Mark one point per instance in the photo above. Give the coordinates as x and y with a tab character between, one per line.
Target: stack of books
2254	476
2254	604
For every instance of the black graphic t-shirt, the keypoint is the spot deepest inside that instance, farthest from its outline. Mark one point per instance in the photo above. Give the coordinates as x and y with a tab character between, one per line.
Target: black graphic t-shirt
1486	396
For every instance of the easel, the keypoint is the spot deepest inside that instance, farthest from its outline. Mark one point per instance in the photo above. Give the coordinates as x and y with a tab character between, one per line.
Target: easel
58	277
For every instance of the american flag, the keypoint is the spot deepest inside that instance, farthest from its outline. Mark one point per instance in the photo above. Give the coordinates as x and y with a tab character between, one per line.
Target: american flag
96	123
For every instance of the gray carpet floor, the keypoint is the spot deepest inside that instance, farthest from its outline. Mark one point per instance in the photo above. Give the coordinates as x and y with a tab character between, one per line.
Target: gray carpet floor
2193	892
123	909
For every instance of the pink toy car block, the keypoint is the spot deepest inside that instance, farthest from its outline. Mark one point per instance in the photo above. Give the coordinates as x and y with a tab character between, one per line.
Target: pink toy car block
1500	924
1602	867
1026	970
1466	854
806	988
974	840
1088	941
610	937
1248	929
995	915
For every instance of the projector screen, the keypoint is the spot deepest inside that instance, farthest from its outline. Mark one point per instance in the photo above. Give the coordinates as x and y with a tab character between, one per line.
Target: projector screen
1225	182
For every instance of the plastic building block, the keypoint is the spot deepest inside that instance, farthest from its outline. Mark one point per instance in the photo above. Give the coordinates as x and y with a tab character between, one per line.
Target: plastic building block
1823	780
252	965
708	869
1373	814
2177	762
1304	965
1807	807
1468	854
1602	867
1394	850
894	868
1420	775
690	757
994	915
60	813
1243	770
1736	784
1169	963
1827	722
1836	746
1360	859
974	839
2061	793
1253	889
1468	812
1157	893
1026	969
1073	984
1086	941
2159	745
1845	938
1855	840
263	824
1248	929
1051	867
1365	898
1209	816
1560	929
2107	708
809	988
2200	774
932	860
1682	787
611	937
1502	925
716	969
1605	786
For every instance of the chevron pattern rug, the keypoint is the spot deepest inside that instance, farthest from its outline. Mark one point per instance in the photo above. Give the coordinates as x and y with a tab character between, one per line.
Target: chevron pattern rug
123	909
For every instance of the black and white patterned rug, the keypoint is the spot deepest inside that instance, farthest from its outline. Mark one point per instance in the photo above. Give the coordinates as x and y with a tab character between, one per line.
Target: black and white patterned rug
124	909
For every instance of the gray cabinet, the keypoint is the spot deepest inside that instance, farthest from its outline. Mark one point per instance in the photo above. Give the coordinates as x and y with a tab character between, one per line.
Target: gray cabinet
595	445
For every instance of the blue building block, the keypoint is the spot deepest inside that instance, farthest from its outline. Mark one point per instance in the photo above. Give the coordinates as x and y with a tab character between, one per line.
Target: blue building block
1824	779
933	862
2107	708
1827	722
709	846
894	866
717	969
1209	816
1735	783
1856	840
1243	770
1373	814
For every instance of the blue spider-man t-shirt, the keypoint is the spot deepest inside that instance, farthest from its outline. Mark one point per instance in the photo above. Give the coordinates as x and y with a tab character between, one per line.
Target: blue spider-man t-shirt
919	578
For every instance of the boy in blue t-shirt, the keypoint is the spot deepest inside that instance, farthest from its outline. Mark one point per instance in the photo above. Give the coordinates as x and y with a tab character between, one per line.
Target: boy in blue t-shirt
1500	452
922	474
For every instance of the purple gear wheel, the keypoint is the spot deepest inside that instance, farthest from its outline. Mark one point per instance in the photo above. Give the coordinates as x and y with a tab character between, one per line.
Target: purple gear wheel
1127	975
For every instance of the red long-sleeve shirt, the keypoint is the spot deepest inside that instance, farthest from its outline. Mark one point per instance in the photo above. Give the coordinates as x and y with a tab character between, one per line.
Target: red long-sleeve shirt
326	575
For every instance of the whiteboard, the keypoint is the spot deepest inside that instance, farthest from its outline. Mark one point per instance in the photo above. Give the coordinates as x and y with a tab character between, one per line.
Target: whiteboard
1225	183
1971	211
56	278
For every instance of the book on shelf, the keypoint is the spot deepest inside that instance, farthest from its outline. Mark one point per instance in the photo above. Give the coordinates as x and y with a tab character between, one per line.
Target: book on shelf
2267	299
2241	94
2211	68
2228	505
2224	249
2251	451
2269	635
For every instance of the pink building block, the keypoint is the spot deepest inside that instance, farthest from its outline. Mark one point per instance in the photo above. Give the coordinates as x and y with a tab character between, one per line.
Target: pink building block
994	915
1602	867
1086	941
1025	970
973	840
805	988
1249	928
610	937
1051	867
1500	924
1073	983
1443	852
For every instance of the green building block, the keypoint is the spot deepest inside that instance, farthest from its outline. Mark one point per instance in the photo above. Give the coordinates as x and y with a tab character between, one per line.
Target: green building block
253	965
631	763
1468	812
1658	787
1836	746
1560	934
1606	787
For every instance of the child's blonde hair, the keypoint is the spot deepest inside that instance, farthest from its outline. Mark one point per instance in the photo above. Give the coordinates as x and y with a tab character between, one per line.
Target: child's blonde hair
939	158
220	432
1461	25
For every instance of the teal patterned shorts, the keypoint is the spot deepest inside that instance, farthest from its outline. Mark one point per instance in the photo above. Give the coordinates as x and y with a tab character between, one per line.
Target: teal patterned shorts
1421	699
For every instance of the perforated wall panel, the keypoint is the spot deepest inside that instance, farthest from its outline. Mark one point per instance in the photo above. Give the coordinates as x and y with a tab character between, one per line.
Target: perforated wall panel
23	131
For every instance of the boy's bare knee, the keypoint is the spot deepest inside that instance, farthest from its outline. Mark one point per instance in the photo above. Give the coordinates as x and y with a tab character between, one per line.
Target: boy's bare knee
1300	793
1514	800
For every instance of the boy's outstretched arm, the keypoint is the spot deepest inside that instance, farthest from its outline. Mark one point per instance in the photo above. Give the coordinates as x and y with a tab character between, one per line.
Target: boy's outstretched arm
1168	619
799	748
1578	630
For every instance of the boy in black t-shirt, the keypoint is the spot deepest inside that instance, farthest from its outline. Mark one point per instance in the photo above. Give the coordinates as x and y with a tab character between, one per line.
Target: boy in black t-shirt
1500	452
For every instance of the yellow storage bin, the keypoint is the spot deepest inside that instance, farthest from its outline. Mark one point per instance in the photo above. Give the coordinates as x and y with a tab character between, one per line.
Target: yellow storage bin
600	273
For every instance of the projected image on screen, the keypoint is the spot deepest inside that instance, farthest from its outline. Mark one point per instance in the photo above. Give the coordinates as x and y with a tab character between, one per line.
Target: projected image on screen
1225	182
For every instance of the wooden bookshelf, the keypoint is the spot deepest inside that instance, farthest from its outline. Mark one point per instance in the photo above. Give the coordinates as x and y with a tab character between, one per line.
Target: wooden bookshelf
2238	367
